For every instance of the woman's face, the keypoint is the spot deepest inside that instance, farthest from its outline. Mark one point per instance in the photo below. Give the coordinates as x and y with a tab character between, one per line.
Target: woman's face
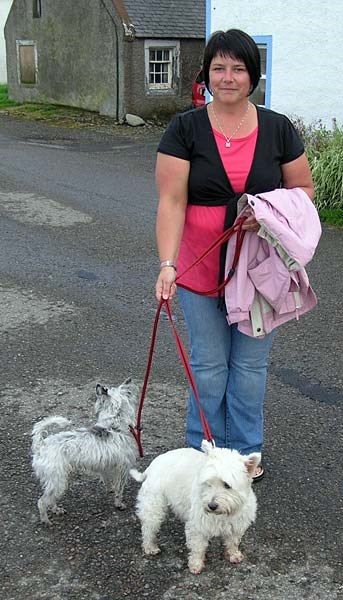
229	79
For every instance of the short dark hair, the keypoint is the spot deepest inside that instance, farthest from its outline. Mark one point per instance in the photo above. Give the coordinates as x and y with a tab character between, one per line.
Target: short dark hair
236	44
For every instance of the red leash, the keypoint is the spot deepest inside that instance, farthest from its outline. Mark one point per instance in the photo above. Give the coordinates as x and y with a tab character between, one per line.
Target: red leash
137	430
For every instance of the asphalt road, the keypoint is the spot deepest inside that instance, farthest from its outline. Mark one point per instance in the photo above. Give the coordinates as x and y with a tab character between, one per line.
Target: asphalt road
77	271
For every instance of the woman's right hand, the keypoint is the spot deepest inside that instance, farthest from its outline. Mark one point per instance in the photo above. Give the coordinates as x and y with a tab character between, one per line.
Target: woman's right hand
165	284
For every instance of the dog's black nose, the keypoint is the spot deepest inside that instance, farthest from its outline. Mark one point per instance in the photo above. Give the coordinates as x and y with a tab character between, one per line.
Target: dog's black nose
212	505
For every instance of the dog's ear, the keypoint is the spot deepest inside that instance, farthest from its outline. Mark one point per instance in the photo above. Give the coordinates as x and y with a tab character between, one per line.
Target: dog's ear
251	462
101	390
206	446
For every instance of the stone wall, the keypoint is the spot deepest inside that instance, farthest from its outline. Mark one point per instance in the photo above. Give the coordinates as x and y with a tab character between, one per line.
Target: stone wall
147	103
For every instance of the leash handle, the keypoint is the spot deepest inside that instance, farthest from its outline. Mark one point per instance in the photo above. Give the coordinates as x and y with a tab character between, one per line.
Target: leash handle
224	237
239	242
236	228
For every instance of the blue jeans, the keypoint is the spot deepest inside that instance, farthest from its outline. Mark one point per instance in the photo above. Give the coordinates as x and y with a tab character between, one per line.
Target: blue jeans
230	370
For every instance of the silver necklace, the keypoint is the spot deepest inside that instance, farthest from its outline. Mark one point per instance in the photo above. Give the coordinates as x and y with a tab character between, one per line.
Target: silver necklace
228	139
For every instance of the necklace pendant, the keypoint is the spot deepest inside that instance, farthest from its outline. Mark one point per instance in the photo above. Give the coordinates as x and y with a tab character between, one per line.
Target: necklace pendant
227	144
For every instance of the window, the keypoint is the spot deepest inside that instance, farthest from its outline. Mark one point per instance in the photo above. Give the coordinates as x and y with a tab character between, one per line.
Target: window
262	94
161	65
160	68
27	62
36	9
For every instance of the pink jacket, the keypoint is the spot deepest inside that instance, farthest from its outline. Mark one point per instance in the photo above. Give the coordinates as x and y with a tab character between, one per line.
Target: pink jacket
270	285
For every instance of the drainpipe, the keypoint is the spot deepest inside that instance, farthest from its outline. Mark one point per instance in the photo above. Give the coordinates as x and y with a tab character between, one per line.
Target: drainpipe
117	56
117	68
129	33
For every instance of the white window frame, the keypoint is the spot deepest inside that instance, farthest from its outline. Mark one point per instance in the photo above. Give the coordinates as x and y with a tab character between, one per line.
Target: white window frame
173	67
27	43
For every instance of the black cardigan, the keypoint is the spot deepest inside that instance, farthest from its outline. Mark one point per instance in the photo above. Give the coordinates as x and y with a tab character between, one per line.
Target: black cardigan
190	136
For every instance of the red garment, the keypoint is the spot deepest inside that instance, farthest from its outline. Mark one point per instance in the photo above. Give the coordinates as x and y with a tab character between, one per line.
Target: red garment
203	224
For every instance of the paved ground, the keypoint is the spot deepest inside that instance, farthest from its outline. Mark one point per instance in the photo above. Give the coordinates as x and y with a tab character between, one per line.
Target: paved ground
77	267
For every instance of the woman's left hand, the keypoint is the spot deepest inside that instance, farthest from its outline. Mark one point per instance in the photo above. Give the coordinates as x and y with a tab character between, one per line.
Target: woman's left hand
250	224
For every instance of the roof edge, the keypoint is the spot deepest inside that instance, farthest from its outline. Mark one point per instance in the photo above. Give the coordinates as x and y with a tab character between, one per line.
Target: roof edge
129	28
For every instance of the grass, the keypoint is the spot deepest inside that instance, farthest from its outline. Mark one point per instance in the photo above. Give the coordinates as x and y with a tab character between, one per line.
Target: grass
37	111
4	101
42	111
332	216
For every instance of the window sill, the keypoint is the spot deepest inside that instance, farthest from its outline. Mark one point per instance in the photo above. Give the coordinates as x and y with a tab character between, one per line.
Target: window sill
161	91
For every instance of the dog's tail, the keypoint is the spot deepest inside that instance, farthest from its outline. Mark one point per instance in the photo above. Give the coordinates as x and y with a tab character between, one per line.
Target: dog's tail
137	475
43	428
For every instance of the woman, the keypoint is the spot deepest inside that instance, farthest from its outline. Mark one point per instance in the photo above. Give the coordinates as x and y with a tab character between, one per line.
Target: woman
206	159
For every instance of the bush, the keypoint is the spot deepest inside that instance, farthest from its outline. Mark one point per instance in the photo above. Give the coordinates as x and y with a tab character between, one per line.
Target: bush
3	93
324	149
332	216
4	101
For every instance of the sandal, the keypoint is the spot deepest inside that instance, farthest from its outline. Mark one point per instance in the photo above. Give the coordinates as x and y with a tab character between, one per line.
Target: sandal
259	474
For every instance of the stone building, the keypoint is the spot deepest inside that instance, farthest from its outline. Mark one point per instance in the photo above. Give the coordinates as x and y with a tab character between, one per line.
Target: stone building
109	56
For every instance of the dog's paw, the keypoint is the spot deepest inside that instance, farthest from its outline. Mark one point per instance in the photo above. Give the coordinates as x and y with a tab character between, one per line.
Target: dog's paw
58	510
119	505
235	557
195	565
45	521
151	549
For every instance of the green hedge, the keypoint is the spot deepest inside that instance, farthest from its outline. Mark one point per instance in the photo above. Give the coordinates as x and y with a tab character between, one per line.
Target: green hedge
324	148
4	101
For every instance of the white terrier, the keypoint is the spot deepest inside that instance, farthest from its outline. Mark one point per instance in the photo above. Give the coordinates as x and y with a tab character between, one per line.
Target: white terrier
210	491
106	449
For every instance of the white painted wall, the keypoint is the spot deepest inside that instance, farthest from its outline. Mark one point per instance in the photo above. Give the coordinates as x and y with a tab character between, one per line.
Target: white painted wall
307	50
5	6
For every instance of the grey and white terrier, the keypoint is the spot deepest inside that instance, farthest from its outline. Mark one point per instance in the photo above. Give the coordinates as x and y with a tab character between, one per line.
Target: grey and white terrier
106	449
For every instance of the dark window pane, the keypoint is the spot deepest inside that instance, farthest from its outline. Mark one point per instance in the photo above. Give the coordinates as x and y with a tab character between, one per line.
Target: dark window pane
200	77
259	95
263	55
36	9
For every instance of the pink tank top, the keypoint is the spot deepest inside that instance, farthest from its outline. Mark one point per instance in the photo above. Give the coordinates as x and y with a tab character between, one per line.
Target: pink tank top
203	224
